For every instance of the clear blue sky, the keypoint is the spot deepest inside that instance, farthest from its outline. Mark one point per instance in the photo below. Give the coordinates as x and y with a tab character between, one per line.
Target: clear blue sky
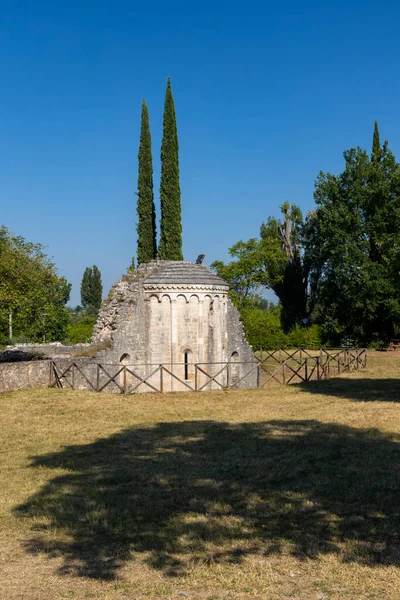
267	94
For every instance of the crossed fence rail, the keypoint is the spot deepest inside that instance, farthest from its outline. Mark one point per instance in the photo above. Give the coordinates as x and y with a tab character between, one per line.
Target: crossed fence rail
297	366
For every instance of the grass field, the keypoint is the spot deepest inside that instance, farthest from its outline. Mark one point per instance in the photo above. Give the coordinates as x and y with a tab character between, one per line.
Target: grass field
272	494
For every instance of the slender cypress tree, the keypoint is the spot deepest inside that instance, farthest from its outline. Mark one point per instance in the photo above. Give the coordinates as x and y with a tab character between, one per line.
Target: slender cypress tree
146	212
376	144
85	287
96	288
170	247
91	289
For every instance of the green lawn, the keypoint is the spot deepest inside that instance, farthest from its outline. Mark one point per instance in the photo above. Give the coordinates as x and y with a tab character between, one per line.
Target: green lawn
274	493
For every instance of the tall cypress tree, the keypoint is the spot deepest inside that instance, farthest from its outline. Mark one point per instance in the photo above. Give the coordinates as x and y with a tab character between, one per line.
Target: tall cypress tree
146	212
85	287
170	247
376	144
91	289
96	288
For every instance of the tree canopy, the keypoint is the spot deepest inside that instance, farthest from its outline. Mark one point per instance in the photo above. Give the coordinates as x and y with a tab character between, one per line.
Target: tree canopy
272	261
32	295
352	242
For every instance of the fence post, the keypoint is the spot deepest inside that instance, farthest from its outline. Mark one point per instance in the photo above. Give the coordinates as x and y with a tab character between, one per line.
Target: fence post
161	378
51	373
258	375
318	371
98	377
73	376
196	374
306	368
284	372
124	379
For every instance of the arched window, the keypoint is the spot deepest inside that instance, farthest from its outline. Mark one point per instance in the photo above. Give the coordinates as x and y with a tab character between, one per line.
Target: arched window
124	378
234	368
124	360
187	357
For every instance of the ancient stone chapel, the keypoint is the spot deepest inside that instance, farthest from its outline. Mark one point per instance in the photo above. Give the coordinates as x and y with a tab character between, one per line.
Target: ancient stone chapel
176	313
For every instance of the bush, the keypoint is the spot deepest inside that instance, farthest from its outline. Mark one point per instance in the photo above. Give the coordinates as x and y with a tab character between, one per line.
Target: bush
263	330
79	330
262	327
304	337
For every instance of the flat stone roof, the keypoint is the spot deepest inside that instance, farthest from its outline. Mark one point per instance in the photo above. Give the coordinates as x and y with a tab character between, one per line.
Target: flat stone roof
166	272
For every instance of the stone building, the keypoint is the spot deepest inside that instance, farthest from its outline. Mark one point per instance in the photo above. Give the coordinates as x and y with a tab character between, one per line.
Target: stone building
178	314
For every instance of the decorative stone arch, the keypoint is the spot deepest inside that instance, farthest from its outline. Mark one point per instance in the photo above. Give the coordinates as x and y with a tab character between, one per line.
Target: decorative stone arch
181	297
194	297
166	298
216	302
154	298
208	301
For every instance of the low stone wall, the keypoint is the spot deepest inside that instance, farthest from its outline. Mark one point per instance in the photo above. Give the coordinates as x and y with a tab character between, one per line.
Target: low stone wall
40	351
24	375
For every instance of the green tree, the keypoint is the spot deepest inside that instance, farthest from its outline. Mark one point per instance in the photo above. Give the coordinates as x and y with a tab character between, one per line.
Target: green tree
91	290
376	144
273	261
287	278
85	287
352	243
244	274
32	295
80	326
146	212
170	247
131	268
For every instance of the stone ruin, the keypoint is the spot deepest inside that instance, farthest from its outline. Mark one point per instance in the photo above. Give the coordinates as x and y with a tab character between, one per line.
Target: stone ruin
178	314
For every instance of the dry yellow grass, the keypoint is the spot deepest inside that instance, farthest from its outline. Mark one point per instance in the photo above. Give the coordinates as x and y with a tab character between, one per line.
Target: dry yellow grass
277	493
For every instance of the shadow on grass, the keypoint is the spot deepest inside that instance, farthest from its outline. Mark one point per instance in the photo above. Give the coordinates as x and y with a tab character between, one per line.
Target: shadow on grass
179	493
362	390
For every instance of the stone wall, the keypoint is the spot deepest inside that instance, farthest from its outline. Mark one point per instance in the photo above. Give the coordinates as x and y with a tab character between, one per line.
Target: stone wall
24	375
28	352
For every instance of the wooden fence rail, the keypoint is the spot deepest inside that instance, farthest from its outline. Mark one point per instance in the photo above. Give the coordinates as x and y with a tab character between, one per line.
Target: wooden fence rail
297	367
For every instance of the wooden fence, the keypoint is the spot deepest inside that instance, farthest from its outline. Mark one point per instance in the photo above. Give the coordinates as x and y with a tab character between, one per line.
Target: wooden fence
301	366
296	367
